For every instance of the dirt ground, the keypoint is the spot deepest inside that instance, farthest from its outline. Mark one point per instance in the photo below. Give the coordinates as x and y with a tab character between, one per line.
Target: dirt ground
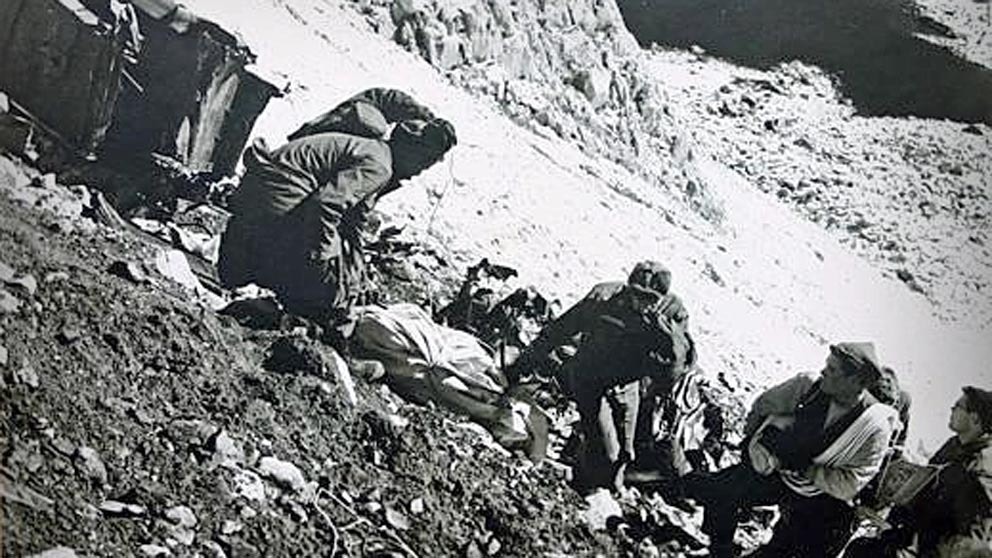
135	422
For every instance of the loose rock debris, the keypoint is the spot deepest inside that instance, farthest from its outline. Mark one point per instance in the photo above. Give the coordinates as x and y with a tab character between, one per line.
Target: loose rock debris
160	371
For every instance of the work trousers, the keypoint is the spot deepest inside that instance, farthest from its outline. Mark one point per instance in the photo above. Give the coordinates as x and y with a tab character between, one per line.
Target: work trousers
810	527
607	421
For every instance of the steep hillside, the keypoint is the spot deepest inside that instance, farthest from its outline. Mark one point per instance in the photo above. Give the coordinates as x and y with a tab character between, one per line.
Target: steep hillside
539	203
136	421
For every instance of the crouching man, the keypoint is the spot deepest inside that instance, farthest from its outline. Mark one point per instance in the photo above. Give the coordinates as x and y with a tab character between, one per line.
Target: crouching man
814	443
296	216
623	332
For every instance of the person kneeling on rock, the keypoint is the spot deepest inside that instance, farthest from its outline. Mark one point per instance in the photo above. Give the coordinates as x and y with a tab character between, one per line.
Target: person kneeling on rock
622	332
297	214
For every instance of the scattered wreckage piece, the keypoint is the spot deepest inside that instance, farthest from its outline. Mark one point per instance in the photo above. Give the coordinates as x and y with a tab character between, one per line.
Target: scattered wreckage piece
192	97
124	84
63	65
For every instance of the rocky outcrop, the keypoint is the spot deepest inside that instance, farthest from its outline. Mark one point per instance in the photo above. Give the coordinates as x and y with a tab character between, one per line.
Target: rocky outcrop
569	69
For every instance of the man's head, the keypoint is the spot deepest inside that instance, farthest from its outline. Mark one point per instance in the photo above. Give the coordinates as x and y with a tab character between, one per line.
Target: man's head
850	369
418	144
649	281
971	415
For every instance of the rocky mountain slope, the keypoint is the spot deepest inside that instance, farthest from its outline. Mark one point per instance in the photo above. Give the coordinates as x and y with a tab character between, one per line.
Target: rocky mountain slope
140	423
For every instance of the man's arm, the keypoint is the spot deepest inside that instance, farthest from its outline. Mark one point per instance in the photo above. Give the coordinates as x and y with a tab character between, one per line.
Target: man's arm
778	400
845	480
362	177
566	326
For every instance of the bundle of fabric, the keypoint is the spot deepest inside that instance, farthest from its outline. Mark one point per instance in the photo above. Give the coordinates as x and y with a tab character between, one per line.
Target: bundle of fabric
425	361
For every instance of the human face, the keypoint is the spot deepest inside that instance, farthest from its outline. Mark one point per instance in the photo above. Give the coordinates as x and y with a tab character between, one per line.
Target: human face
835	381
641	300
962	420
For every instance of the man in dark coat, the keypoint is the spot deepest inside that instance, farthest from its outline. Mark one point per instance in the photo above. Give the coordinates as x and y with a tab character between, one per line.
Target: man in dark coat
957	499
623	332
296	216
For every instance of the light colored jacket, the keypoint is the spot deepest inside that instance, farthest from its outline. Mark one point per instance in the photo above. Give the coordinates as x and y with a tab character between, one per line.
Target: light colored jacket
849	462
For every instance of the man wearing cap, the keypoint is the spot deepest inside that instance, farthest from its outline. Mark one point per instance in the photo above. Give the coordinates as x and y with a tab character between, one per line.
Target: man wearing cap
622	332
814	443
296	215
960	497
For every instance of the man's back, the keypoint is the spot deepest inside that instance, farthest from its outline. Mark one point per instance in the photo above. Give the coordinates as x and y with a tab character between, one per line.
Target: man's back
277	181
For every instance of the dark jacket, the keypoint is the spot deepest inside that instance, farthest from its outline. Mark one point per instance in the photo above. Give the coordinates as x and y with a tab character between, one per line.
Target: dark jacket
294	217
616	344
954	501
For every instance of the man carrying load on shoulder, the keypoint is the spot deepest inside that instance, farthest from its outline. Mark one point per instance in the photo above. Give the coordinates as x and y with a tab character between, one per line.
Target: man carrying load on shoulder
814	443
297	214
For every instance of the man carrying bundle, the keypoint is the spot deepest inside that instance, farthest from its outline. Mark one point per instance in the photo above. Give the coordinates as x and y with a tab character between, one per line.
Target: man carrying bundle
297	214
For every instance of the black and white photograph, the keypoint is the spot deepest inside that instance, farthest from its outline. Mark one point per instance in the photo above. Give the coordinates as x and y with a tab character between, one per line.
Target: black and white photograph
496	278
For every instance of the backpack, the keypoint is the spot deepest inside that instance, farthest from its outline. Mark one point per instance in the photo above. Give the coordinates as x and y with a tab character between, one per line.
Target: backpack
355	117
677	350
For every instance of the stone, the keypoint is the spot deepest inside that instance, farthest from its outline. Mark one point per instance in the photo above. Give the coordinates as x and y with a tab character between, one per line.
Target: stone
11	491
602	506
248	485
183	521
68	335
181	515
153	550
647	549
215	549
113	507
397	519
493	547
594	84
241	549
131	271
47	180
192	432
230	527
63	446
4	356
27	375
88	463
57	552
417	506
56	277
283	473
9	303
7	273
451	52
227	452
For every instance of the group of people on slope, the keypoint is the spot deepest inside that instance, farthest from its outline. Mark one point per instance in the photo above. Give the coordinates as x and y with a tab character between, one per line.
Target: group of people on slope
813	444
